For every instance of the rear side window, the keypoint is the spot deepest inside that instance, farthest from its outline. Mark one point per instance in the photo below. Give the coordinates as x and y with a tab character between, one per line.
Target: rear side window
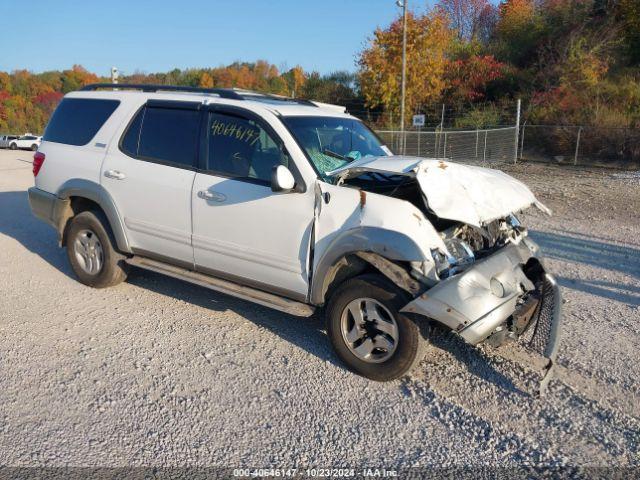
165	135
77	120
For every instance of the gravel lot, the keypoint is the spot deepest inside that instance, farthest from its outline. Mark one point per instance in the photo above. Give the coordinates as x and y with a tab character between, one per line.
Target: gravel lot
160	372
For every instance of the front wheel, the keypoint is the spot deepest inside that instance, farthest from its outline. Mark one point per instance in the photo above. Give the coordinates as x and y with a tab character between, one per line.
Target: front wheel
34	147
369	333
91	251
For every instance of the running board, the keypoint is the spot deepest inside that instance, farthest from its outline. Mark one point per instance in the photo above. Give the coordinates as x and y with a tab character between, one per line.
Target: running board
224	286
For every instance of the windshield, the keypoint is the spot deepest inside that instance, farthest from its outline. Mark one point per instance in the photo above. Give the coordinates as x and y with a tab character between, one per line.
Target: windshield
331	143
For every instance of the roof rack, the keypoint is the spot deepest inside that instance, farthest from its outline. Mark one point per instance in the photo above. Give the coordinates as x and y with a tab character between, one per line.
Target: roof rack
229	93
222	92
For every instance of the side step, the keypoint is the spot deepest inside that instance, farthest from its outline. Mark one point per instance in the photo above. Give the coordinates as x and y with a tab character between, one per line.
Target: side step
224	286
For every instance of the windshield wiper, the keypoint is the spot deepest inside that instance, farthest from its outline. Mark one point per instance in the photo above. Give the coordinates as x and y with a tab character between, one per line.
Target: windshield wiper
330	153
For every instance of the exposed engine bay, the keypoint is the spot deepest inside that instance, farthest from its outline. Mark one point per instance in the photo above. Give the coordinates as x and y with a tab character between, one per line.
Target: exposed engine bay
465	243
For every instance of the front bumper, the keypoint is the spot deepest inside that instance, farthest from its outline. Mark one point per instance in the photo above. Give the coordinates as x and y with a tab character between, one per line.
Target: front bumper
476	302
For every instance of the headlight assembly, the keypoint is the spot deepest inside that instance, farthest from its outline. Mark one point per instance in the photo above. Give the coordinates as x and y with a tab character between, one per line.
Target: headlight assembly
460	251
455	259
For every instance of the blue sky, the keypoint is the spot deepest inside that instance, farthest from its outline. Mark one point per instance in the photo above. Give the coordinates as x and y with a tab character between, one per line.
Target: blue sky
155	36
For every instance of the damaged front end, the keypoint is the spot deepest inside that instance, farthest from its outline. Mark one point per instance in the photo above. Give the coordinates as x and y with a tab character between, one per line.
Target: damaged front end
505	295
485	280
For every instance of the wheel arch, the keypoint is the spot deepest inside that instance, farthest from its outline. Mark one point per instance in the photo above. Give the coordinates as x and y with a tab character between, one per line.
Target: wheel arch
77	195
363	250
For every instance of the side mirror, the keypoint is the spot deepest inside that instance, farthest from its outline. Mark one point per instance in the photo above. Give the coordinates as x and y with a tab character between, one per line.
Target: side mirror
282	179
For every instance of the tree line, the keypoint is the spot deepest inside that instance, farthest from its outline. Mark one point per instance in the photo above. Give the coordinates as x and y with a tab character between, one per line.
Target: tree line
572	62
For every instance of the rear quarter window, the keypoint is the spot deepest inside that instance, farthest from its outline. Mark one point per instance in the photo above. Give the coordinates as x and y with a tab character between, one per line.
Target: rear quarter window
77	120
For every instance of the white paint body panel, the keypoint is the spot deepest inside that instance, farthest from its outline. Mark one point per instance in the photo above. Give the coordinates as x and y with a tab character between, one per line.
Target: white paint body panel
345	211
469	194
155	204
64	162
253	233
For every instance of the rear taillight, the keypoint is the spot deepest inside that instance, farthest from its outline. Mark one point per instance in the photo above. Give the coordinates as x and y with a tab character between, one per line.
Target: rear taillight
38	160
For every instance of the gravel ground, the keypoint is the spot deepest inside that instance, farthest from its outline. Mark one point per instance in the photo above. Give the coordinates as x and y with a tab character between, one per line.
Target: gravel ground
160	372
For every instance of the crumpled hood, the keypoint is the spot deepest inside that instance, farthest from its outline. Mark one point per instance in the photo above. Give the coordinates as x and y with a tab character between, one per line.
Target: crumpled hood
469	194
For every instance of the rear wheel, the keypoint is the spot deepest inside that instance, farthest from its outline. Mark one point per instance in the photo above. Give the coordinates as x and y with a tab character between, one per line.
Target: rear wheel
369	333
91	251
13	146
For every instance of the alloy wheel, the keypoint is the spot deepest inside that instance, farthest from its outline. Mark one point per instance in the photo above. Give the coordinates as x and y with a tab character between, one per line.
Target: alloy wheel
369	330
88	251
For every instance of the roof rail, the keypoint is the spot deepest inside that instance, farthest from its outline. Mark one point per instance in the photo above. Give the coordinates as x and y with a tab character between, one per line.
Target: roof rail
221	92
229	93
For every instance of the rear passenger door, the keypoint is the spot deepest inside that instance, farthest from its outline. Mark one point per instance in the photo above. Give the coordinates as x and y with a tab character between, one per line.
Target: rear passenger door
150	175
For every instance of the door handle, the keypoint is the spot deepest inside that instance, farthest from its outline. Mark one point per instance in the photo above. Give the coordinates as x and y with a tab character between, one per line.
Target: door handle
215	196
115	174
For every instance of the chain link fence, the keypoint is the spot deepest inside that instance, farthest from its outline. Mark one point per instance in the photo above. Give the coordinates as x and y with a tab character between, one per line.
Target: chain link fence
493	134
496	145
580	145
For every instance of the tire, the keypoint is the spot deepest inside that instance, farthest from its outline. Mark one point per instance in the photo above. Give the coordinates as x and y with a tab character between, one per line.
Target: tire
91	252
374	293
34	147
13	146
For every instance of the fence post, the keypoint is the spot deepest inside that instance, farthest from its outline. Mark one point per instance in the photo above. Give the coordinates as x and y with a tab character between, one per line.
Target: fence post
515	153
477	135
575	157
524	125
484	154
444	150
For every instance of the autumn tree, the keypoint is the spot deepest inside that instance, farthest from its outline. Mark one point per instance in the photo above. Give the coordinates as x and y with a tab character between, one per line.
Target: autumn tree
295	79
472	20
468	78
205	80
518	31
428	38
628	12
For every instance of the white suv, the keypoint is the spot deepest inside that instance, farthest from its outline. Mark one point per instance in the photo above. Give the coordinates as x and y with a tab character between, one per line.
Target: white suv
294	205
25	142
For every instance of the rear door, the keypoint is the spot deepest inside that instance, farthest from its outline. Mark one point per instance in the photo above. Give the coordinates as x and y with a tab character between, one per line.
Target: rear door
150	176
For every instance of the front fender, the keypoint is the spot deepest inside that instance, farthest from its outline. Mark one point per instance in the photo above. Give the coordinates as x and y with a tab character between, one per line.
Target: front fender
386	243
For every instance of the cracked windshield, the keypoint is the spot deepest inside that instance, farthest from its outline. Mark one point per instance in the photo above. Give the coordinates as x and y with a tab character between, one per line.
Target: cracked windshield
331	143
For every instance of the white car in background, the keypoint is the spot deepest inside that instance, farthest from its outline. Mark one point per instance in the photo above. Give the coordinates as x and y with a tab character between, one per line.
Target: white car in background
26	142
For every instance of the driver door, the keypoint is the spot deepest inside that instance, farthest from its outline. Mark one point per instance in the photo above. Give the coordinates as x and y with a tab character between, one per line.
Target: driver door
242	230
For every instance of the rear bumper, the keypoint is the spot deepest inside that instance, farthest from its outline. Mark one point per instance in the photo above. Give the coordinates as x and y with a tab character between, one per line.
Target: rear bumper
49	208
43	205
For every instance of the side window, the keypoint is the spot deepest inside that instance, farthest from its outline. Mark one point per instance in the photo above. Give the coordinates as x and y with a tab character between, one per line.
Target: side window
165	135
77	120
170	135
240	147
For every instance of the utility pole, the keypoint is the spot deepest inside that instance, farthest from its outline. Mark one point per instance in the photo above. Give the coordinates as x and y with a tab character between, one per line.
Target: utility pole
114	75
403	4
518	105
